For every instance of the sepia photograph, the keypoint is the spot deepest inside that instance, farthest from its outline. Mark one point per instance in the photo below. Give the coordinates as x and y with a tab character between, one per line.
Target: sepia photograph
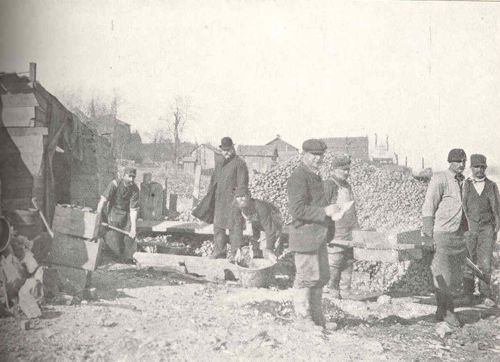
249	180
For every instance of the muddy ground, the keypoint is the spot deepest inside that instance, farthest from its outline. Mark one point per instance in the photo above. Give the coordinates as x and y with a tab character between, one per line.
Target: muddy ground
151	314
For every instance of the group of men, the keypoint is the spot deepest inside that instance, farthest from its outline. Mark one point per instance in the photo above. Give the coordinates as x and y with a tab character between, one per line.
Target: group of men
461	215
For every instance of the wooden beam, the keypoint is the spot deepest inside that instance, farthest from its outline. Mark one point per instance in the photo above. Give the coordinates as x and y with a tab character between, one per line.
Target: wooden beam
209	269
18	117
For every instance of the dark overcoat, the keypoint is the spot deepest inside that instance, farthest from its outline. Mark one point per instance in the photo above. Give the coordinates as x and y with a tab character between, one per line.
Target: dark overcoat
310	227
229	176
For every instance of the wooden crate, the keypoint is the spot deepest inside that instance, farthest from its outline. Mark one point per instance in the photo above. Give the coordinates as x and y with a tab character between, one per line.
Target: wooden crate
387	255
387	247
75	222
75	252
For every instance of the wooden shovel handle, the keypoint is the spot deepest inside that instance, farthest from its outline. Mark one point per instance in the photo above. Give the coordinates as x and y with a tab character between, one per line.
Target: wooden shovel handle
35	204
115	228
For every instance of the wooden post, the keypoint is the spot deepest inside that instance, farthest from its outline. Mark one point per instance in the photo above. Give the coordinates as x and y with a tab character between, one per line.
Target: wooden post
423	163
196	186
406	161
172	204
165	194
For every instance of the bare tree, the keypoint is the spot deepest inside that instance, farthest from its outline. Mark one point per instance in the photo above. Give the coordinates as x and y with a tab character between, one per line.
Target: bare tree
180	113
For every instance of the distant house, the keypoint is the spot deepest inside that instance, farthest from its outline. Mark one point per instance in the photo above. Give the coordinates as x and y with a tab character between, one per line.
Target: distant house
381	152
116	131
258	158
205	155
284	149
356	147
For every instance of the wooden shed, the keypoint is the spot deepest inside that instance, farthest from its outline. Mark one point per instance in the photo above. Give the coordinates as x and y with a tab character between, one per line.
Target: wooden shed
45	151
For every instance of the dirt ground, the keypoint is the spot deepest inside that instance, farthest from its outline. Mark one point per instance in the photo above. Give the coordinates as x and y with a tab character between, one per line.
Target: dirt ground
152	315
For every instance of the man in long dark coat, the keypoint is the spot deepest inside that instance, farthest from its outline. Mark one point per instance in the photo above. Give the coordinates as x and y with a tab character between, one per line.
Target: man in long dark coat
230	175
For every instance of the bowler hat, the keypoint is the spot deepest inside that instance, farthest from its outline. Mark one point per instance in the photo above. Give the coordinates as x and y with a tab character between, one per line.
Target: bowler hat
341	161
457	155
226	143
130	171
314	146
477	160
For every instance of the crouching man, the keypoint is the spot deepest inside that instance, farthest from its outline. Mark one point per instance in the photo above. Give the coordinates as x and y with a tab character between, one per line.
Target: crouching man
263	217
310	230
119	205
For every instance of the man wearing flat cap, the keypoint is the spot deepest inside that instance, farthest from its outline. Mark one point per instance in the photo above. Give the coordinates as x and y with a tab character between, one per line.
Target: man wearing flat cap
230	177
481	203
444	220
310	230
119	204
339	191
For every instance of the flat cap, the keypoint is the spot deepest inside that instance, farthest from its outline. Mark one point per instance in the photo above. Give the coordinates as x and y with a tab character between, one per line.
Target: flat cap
130	171
477	160
226	143
457	155
314	146
341	161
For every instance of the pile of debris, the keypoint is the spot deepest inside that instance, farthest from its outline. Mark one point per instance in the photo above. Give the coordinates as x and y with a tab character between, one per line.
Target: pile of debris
386	200
24	282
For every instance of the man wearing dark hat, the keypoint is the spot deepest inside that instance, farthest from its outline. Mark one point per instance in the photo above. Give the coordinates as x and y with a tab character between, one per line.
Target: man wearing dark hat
119	203
481	202
262	216
339	191
310	230
444	220
230	176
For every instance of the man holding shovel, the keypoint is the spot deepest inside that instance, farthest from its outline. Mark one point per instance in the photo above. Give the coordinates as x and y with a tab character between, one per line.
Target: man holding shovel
120	204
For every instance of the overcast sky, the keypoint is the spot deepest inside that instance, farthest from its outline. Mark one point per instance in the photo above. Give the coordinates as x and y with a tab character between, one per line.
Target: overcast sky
425	73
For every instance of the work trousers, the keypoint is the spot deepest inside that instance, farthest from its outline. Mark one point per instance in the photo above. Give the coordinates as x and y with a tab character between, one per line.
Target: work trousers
121	245
221	240
448	259
480	242
312	268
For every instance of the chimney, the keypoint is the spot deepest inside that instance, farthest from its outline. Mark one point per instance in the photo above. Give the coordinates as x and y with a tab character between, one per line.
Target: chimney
33	72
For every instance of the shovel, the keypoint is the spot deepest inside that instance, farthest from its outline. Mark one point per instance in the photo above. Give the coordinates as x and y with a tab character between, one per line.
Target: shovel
35	204
476	270
116	229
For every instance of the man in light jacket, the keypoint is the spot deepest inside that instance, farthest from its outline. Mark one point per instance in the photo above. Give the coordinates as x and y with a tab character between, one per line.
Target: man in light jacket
444	220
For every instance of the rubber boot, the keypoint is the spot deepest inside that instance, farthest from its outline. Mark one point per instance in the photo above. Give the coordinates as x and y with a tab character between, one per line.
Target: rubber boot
347	279
451	317
441	305
302	306
316	310
468	295
334	285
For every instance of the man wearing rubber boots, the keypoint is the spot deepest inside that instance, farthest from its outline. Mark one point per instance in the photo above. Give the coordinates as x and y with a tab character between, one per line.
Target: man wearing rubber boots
481	205
120	205
444	220
339	191
310	230
230	176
